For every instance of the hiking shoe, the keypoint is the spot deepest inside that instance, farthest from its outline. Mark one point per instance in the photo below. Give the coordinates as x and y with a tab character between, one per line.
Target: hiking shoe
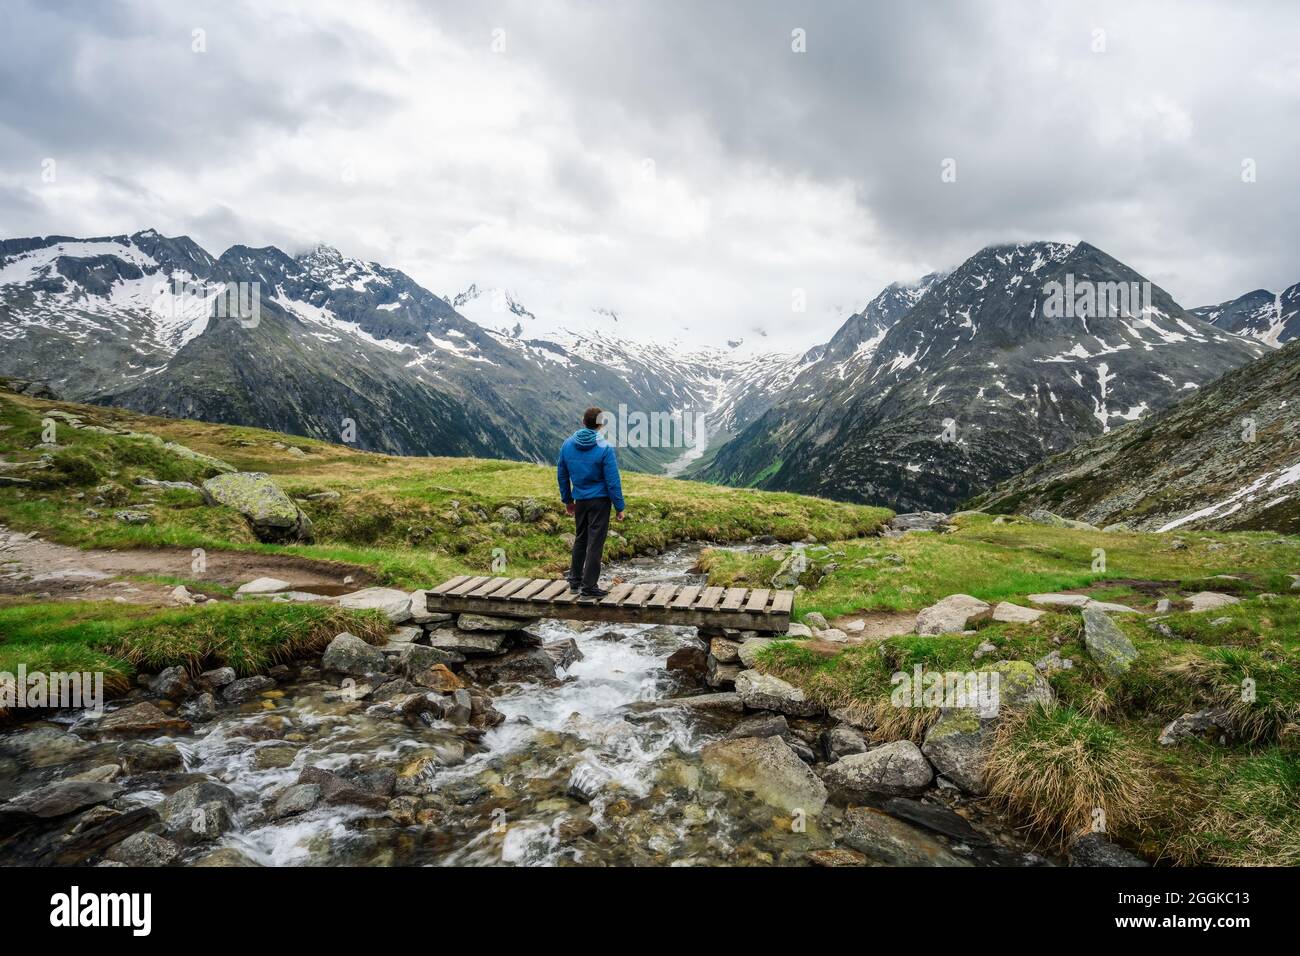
575	585
594	592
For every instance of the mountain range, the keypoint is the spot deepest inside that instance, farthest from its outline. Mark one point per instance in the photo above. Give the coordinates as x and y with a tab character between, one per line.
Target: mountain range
935	391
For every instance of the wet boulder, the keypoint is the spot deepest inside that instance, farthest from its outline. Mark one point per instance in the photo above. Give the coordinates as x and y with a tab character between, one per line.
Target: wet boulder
349	654
768	768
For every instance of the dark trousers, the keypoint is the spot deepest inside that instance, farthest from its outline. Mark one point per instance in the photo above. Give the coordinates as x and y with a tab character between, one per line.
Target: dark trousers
592	518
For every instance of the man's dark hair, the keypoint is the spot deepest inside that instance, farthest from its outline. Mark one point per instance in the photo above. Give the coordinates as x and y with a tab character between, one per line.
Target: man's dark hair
591	417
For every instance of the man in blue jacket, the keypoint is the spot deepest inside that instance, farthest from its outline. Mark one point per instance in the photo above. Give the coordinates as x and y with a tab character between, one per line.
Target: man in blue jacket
587	471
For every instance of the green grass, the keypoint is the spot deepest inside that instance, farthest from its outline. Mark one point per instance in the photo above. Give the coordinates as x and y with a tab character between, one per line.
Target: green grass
411	521
118	639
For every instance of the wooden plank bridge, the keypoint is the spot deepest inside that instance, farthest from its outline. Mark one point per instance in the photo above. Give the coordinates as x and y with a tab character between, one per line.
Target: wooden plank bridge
757	609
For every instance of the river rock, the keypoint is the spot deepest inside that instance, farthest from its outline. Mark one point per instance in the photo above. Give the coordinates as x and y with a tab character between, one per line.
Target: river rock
1009	613
760	691
337	790
294	800
836	856
936	817
44	747
564	653
891	769
393	603
526	664
59	799
414	658
349	654
439	678
137	756
1094	849
1209	601
1107	645
487	622
403	635
723	702
217	678
891	841
955	745
952	615
840	742
135	721
768	768
225	857
693	661
172	683
145	849
263	586
201	811
247	688
762	725
271	513
815	619
475	643
718	675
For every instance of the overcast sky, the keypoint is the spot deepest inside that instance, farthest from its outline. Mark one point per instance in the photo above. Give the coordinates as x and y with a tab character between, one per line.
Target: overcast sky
678	163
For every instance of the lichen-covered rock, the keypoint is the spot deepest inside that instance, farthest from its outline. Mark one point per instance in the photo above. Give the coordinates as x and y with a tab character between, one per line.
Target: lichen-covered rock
1209	601
270	512
468	642
1019	683
1107	645
955	613
1211	724
487	622
1009	613
892	769
955	745
768	768
145	849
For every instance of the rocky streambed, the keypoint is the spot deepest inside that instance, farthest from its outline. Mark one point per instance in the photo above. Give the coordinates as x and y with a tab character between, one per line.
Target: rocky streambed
559	744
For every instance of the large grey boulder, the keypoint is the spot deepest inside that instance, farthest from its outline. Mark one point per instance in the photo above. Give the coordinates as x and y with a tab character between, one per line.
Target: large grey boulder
526	664
1008	613
952	615
1107	645
349	654
767	768
764	692
394	603
420	613
918	521
270	512
893	769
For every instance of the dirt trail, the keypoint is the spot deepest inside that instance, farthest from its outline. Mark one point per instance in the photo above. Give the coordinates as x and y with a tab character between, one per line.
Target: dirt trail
30	565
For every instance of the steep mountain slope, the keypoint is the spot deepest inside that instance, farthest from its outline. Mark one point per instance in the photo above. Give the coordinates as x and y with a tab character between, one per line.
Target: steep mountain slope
998	365
1228	457
1272	319
339	347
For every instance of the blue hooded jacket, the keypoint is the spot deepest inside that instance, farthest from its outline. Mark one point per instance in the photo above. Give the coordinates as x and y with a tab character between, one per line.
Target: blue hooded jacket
587	468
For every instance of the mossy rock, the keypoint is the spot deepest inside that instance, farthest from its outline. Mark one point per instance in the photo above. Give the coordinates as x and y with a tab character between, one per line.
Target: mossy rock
270	512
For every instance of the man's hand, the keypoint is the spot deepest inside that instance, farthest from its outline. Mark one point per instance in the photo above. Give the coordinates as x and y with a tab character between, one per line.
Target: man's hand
570	508
621	515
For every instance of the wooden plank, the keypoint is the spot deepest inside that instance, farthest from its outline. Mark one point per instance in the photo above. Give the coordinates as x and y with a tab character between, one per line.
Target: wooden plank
640	594
550	591
734	598
531	588
616	595
782	602
446	586
685	597
491	586
662	596
709	599
757	600
470	585
506	592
